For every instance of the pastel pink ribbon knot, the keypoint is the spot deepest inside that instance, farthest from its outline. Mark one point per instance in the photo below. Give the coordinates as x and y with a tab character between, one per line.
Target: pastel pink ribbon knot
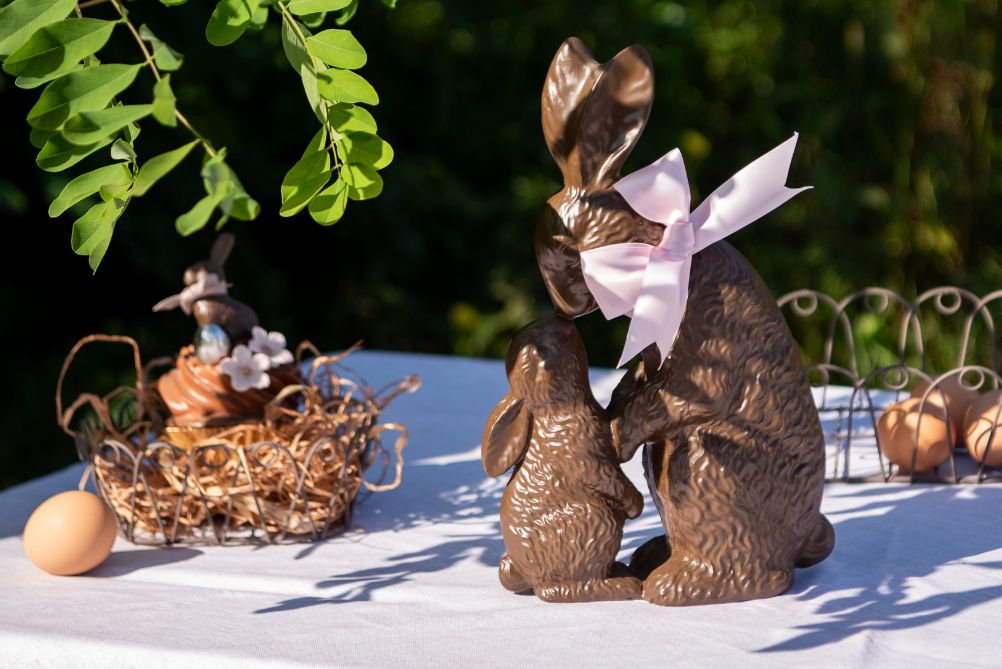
207	286
650	284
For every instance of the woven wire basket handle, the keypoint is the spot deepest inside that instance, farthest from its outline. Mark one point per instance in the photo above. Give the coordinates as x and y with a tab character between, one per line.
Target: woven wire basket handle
97	402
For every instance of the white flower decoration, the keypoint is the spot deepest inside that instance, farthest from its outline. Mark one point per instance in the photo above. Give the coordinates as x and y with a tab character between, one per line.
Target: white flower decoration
271	344
246	369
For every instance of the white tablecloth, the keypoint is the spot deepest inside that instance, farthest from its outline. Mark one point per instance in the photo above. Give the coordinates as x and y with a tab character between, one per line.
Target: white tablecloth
915	579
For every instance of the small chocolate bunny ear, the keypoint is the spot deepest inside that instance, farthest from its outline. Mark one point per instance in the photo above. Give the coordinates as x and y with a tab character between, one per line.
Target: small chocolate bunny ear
614	116
506	436
221	249
570	79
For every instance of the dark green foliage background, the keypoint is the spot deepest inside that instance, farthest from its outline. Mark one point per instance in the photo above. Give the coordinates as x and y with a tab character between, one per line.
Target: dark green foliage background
896	103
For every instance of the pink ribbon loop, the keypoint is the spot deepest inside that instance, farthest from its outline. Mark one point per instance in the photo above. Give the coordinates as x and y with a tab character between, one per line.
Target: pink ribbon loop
650	284
208	285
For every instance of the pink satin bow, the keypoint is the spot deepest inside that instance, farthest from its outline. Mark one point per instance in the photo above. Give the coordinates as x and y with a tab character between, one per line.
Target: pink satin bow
651	283
208	285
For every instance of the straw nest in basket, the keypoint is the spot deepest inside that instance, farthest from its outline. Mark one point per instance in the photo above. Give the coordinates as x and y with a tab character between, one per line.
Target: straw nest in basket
292	475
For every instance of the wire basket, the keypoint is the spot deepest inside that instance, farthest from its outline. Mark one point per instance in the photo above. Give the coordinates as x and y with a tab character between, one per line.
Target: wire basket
294	475
875	347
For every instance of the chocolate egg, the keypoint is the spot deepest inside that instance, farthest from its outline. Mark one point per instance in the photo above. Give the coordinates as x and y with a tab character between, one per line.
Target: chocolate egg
70	533
978	429
896	430
958	400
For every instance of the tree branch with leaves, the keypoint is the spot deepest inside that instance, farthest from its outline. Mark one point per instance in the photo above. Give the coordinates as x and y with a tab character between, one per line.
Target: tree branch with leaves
55	46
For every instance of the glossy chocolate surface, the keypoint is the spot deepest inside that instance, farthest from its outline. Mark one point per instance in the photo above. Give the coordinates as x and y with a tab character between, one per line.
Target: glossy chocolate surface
733	448
199	394
563	510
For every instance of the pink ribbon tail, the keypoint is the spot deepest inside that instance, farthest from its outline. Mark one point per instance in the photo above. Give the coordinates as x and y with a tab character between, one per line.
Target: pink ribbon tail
168	303
754	191
660	307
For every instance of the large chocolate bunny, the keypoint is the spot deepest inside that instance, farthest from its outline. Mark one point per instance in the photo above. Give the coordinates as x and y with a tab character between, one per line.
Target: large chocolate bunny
733	447
205	294
563	510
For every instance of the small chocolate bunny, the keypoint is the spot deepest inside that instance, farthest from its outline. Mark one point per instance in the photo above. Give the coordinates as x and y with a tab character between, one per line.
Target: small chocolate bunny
563	510
205	295
733	447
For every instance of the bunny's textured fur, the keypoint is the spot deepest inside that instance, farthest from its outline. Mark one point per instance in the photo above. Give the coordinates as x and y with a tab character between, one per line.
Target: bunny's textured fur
563	510
733	447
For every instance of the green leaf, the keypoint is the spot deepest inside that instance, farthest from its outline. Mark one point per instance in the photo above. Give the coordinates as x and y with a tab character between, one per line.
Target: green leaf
157	167
347	14
345	86
88	184
20	19
217	177
259	18
38	138
364	183
365	148
229	20
164	102
346	117
131	131
338	48
90	127
172	3
317	143
300	61
89	89
296	194
328	206
92	232
245	208
166	58
198	216
58	47
392	4
122	150
34	82
119	191
59	153
310	174
314	20
304	7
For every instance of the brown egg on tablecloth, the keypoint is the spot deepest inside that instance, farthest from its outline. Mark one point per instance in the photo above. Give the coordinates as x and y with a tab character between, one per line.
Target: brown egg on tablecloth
982	415
897	429
957	399
70	533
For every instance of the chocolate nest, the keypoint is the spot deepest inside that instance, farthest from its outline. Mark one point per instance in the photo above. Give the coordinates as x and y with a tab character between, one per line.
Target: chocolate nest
292	475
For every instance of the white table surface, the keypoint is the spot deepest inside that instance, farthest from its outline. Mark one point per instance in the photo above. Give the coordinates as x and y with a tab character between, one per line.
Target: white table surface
915	579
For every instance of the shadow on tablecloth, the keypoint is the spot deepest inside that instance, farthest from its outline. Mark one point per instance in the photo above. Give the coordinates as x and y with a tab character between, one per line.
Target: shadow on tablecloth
120	563
459	505
434	494
886	571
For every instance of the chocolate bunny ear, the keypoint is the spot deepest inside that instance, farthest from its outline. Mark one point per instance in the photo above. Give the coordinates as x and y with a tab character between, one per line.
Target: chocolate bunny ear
614	115
221	249
506	436
570	79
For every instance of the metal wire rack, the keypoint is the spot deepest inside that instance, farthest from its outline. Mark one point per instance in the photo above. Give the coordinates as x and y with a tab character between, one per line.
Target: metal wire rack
875	347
